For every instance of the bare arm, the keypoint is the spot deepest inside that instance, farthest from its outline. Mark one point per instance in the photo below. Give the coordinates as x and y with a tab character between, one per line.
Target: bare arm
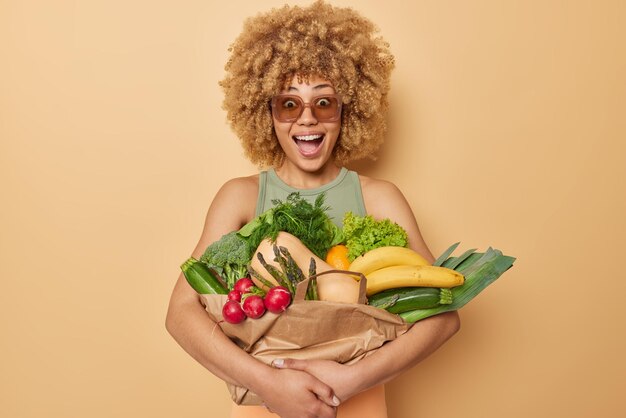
424	337
186	319
199	336
384	200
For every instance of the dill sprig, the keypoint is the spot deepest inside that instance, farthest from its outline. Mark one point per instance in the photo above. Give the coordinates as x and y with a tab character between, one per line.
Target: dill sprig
308	222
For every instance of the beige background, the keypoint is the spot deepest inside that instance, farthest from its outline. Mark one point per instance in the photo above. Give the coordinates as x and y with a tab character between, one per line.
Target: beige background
507	130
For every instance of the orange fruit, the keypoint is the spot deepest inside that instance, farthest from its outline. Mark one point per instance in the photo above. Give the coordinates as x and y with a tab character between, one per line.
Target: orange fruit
337	257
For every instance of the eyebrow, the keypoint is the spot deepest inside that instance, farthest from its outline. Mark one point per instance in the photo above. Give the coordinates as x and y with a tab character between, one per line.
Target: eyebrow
318	87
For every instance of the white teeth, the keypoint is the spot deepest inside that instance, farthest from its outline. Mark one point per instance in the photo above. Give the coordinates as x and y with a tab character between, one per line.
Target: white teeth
308	137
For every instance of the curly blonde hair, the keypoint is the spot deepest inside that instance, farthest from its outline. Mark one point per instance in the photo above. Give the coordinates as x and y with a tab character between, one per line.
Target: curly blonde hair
334	43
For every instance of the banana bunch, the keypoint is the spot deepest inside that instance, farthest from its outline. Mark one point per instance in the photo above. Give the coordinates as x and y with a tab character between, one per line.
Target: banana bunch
396	267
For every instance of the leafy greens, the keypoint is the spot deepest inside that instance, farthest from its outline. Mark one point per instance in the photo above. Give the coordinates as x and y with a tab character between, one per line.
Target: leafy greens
229	257
364	233
308	222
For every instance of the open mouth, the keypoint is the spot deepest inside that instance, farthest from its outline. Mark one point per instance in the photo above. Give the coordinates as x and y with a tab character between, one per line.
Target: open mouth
309	144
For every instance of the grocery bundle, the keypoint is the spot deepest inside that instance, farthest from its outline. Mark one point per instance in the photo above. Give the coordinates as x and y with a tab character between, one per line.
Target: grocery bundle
285	284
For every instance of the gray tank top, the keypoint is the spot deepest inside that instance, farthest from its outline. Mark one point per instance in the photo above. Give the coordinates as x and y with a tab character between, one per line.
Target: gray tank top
342	195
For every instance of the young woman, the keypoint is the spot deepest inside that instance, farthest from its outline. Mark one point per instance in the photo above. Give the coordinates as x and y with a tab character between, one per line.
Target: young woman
306	92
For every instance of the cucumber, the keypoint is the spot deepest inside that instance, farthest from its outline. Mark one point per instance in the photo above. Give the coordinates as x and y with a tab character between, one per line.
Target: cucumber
202	279
406	299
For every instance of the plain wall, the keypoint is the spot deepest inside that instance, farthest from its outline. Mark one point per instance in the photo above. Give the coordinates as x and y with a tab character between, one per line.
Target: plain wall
507	129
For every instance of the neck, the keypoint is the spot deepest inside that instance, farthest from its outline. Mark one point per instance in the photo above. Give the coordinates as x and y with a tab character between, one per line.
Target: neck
300	179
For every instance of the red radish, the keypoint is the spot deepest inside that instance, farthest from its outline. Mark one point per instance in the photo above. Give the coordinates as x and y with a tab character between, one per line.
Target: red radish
232	312
253	306
243	285
234	295
277	299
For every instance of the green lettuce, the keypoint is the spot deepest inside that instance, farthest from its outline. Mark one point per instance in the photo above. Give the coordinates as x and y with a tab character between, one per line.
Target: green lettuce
364	233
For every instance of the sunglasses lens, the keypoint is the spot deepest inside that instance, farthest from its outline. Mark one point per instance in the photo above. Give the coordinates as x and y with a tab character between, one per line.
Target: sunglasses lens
288	108
326	108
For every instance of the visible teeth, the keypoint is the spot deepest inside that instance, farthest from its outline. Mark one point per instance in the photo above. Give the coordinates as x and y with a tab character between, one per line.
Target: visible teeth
308	137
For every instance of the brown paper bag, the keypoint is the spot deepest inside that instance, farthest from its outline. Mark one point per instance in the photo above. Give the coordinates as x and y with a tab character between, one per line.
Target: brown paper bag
341	332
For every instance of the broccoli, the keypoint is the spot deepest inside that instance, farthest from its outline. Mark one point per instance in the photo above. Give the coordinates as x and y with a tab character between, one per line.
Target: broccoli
229	256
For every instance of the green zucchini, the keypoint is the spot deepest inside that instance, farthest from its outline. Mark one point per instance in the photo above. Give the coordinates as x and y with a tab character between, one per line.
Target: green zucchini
201	278
406	299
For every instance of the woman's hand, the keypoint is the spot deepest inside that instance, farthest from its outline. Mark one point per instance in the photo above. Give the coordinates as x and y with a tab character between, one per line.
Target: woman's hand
336	375
387	362
297	394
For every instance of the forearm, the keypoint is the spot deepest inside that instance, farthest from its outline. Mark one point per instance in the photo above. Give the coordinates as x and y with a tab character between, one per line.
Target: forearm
287	392
397	356
204	340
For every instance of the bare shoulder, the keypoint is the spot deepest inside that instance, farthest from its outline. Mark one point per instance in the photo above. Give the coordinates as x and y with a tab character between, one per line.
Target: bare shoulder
237	198
247	186
381	197
232	207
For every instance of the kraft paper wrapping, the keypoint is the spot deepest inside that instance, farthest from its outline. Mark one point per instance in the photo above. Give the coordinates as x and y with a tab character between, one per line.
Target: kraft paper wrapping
341	332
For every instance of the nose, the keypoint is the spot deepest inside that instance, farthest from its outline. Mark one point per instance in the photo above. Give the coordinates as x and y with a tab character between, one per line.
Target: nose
307	117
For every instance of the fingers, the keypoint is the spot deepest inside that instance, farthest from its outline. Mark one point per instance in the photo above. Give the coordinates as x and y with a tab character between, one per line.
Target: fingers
325	411
290	363
324	393
299	394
